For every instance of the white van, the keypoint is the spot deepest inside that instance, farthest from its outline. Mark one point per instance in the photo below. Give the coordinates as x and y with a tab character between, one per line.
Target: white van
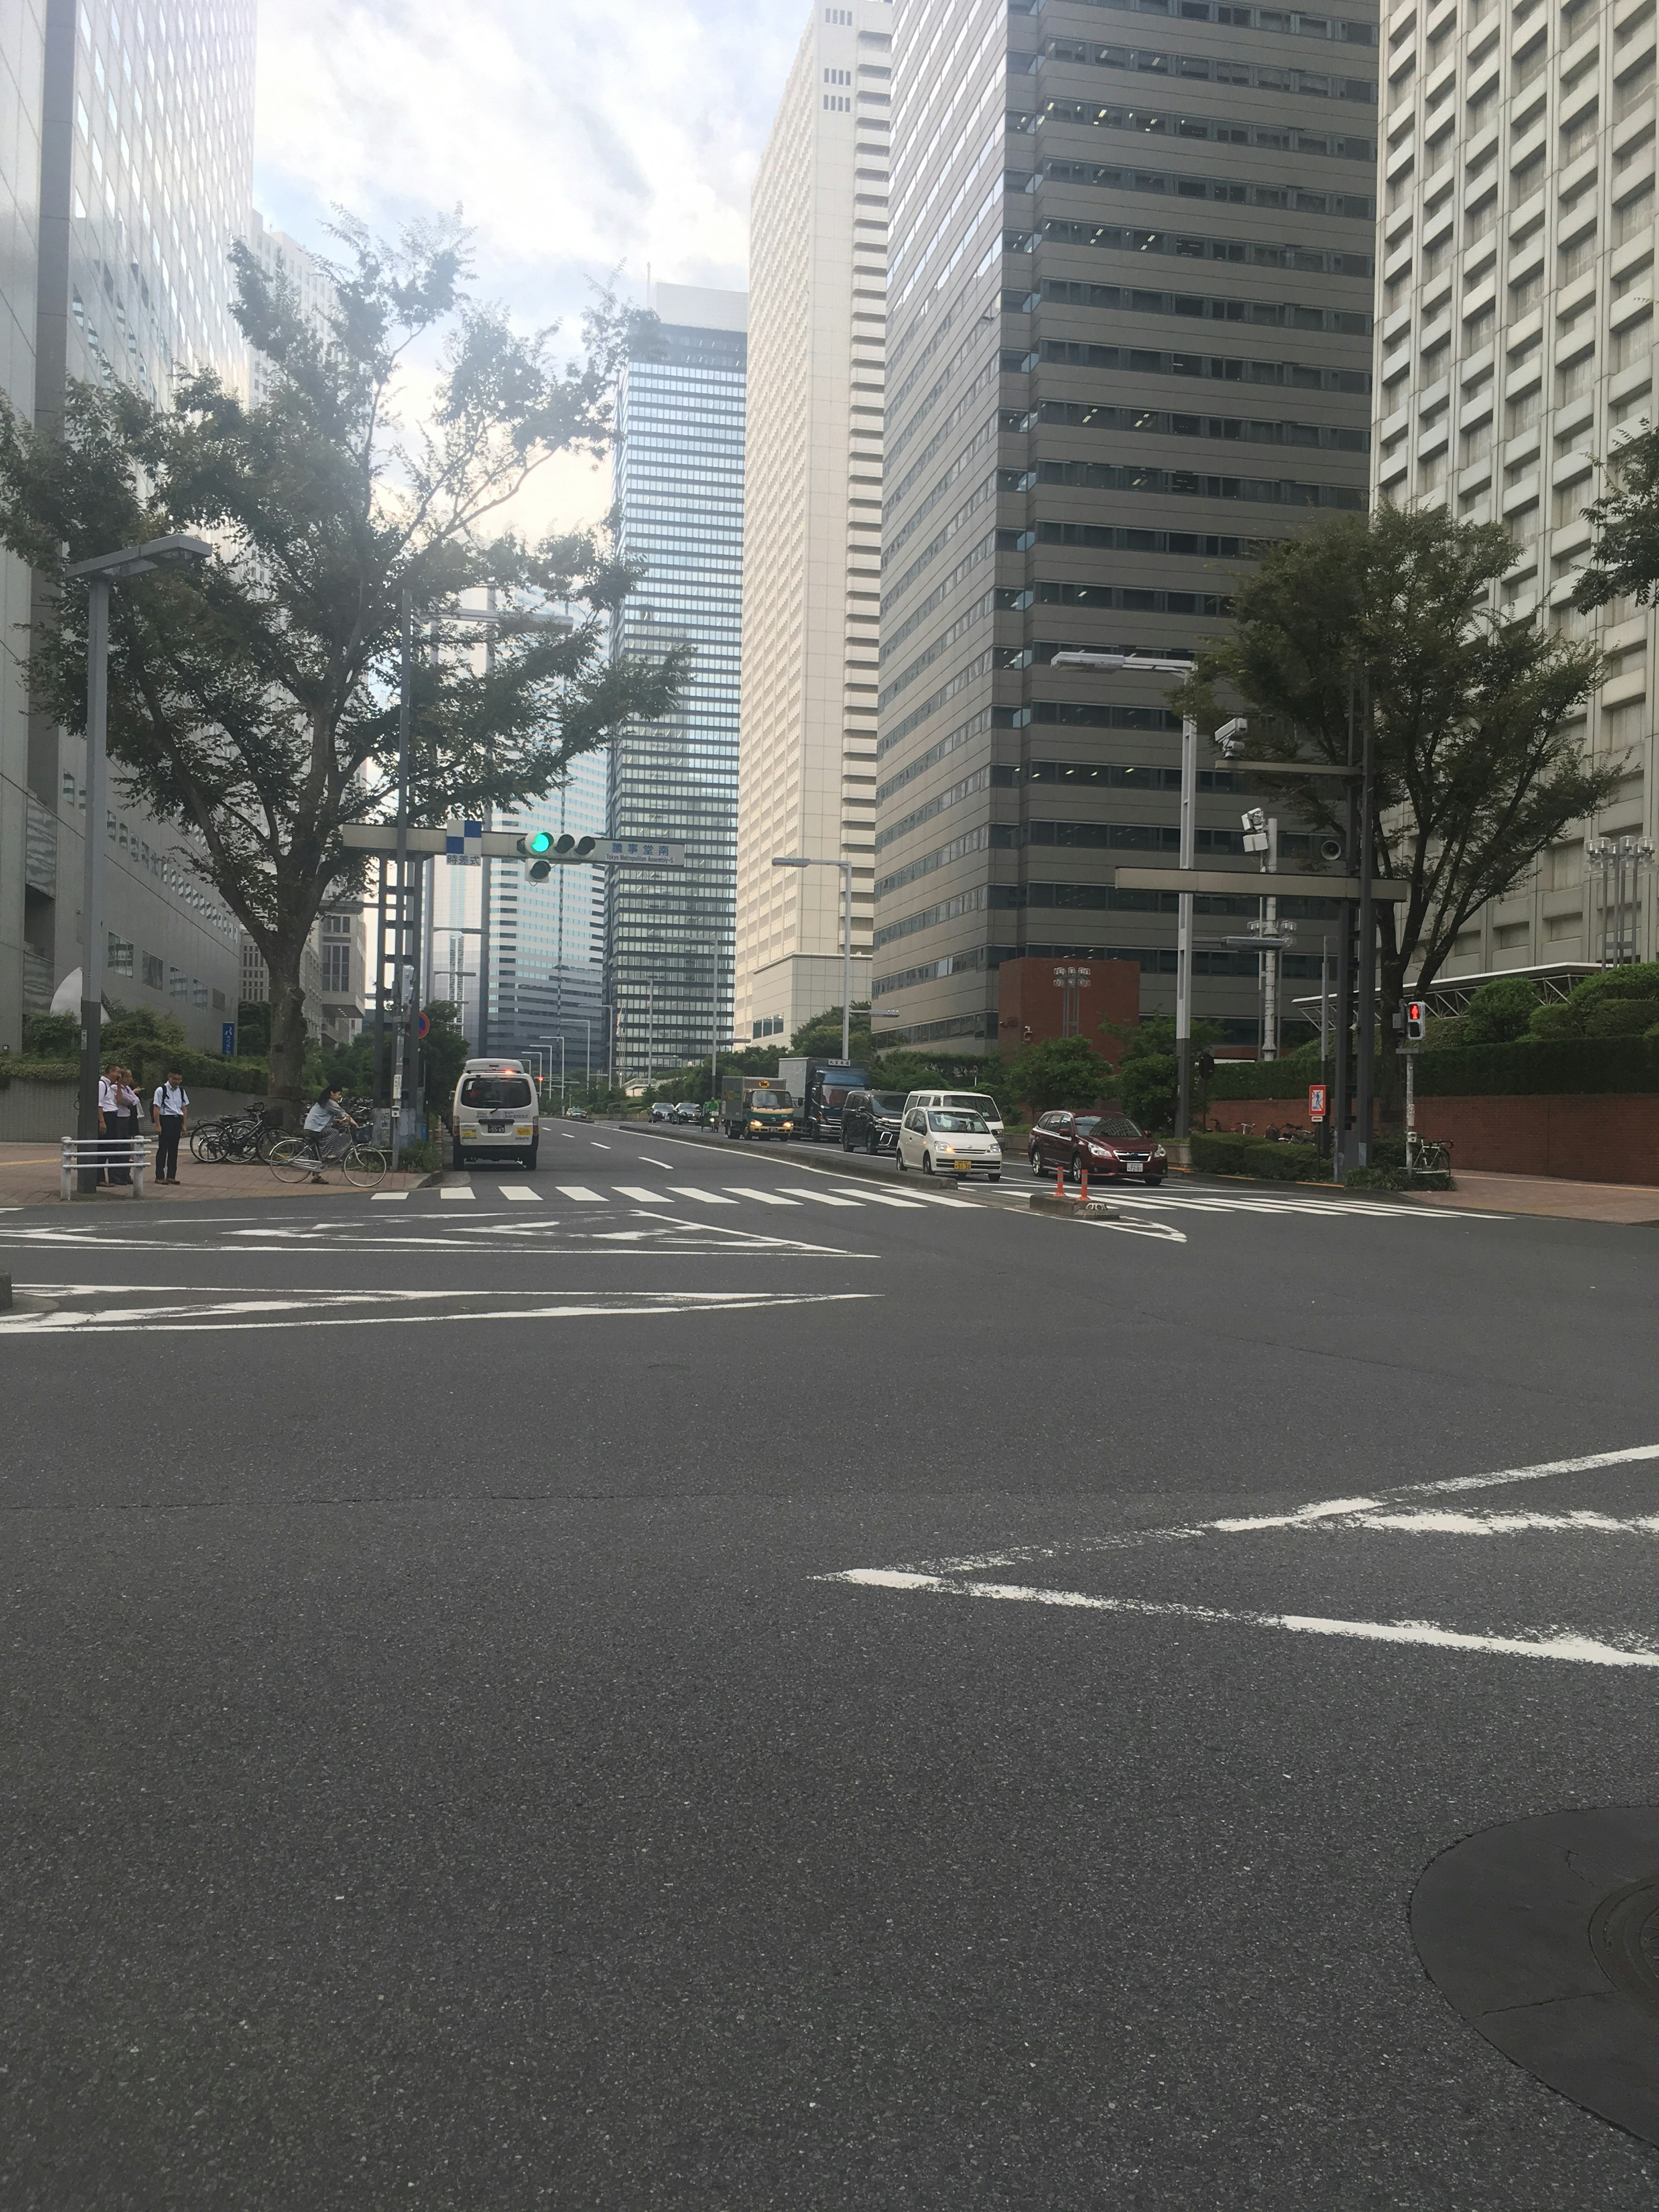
496	1112
960	1101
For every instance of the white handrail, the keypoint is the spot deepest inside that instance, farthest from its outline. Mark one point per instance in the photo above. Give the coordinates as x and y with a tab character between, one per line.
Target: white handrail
102	1152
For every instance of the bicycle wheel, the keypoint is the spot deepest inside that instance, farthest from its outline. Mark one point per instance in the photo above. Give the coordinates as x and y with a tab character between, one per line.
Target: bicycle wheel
365	1165
202	1141
291	1160
268	1136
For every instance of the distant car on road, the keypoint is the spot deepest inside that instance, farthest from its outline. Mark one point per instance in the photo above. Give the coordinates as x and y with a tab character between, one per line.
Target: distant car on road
575	1113
961	1102
690	1110
948	1144
1108	1145
870	1121
661	1110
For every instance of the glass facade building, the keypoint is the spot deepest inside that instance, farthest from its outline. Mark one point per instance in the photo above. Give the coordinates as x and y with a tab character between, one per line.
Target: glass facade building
126	174
1129	340
679	474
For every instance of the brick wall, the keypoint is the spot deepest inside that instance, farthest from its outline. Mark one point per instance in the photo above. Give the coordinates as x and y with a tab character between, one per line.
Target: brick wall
1607	1139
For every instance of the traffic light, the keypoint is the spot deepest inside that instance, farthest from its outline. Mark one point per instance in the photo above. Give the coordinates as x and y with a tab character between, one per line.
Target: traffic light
541	843
1206	1065
1416	1022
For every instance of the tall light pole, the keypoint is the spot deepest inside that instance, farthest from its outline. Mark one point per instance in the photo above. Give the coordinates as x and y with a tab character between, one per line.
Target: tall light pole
1158	664
845	867
177	551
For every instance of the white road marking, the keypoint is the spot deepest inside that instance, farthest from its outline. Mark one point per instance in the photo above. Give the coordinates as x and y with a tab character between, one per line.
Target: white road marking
581	1193
911	1198
597	1145
760	1197
522	1194
818	1197
326	1309
703	1197
1586	1649
457	1191
885	1198
390	1197
646	1197
651	1161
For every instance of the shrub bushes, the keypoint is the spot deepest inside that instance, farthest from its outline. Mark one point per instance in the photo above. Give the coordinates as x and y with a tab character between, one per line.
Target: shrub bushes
1255	1156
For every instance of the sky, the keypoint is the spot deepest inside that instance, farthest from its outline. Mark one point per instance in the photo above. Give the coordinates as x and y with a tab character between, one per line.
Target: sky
578	142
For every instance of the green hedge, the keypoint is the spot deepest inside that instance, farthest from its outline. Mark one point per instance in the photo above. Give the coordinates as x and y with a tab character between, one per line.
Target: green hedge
1255	1156
1261	1078
205	1069
1530	1067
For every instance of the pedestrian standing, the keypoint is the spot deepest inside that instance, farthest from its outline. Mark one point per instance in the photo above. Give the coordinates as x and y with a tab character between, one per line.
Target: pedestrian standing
124	1125
107	1110
169	1109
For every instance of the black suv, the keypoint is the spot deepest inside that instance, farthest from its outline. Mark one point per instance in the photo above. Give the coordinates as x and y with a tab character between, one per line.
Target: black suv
870	1121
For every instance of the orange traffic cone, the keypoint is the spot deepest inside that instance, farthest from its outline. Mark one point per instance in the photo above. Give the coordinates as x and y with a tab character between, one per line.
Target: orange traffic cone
1060	1181
1083	1183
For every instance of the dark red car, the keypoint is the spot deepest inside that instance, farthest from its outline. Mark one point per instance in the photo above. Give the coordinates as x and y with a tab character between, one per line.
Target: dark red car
1108	1145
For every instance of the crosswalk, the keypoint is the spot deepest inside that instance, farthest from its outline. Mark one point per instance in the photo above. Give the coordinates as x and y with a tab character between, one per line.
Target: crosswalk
676	1197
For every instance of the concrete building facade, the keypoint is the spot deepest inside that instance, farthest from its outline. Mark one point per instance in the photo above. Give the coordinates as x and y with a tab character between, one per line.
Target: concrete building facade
126	173
279	255
1129	315
812	522
1515	345
677	470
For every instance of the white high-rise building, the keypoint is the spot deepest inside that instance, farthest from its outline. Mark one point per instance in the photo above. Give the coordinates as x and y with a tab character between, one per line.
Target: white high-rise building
279	255
1514	344
812	587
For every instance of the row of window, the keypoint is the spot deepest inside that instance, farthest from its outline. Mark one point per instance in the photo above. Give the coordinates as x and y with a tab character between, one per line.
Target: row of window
1342	29
1221	192
1120	238
1234	429
917	615
941	644
1295	376
1148	122
1189	484
1270	314
122	957
1264	76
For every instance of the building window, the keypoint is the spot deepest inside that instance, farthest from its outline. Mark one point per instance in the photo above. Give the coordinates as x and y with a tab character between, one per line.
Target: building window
178	984
154	973
118	956
198	992
336	969
219	1002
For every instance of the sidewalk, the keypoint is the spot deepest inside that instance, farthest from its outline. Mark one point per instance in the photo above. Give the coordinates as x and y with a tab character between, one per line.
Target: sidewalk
29	1176
1630	1203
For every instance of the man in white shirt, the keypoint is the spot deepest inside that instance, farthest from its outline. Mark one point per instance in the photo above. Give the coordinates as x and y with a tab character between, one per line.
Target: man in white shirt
168	1111
109	1121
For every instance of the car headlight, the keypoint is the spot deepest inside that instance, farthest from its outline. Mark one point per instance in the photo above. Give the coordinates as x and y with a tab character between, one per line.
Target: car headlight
949	1150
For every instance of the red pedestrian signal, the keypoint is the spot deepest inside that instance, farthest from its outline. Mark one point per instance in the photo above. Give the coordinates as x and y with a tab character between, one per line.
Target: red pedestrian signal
1416	1023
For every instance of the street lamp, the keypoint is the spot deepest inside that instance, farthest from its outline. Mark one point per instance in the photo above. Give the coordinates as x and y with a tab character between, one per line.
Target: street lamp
845	867
176	551
1611	857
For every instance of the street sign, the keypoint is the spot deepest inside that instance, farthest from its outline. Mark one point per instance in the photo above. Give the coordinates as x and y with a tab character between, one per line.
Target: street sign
228	1039
422	1025
1316	1101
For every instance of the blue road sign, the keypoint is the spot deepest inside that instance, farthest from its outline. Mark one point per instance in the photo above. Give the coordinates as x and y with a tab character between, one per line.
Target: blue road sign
228	1039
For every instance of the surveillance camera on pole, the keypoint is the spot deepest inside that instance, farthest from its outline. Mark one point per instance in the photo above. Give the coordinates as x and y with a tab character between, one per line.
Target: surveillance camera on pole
1229	738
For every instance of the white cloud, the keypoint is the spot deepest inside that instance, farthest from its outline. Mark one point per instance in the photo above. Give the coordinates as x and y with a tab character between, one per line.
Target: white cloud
576	140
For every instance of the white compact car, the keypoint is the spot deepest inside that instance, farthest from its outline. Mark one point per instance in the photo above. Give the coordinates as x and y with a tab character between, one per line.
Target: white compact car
961	1102
944	1141
497	1111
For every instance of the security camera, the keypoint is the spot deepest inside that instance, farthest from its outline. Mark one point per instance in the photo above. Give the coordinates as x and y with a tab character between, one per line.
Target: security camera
1229	735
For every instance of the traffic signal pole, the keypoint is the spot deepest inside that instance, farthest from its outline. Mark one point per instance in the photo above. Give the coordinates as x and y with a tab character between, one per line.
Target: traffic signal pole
1183	1127
1365	1040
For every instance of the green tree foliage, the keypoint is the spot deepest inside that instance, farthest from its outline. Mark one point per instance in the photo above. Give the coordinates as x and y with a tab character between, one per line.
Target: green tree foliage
1059	1071
255	705
253	1026
820	1038
1148	1080
1499	1012
51	1037
1618	1002
1624	557
1478	767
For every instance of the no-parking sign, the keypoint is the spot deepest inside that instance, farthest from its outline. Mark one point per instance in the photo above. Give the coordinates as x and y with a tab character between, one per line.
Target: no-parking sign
423	1026
1316	1101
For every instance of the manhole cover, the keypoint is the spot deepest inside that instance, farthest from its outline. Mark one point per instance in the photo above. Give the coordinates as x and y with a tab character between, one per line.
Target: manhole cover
1543	1934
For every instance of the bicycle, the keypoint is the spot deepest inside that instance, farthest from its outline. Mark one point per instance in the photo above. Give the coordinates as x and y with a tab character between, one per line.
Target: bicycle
293	1159
1427	1155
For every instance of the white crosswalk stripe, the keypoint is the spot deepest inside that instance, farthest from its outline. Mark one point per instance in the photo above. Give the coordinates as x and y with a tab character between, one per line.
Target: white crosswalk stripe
454	1191
886	1198
702	1197
930	1198
521	1193
390	1197
818	1197
760	1197
581	1195
641	1195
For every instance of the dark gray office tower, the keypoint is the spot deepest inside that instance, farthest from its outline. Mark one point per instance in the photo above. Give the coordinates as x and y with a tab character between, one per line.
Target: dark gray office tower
670	935
1129	317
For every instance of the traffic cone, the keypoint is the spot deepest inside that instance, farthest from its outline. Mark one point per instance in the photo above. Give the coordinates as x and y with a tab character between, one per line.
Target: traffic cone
1060	1181
1083	1184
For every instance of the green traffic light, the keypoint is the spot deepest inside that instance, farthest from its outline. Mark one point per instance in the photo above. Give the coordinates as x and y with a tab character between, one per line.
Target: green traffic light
542	841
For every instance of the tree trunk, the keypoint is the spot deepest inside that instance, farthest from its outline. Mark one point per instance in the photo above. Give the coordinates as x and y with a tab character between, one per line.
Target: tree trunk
286	1085
1390	1068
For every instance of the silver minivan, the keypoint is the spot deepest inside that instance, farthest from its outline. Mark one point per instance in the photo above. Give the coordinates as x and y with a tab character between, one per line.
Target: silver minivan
496	1112
961	1102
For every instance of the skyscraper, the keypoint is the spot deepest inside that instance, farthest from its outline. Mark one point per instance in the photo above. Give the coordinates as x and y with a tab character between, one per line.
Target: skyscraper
281	256
812	521
1515	345
678	473
1128	339
126	174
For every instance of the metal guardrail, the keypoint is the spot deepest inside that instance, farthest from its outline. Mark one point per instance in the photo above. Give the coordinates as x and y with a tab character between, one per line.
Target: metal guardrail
81	1154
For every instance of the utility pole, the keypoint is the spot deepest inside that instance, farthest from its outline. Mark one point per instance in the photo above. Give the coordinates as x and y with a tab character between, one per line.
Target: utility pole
401	1010
1366	1053
483	871
1187	858
91	890
1340	1159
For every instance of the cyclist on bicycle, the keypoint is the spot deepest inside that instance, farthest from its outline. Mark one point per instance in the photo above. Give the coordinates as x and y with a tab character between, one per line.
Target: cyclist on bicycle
327	1127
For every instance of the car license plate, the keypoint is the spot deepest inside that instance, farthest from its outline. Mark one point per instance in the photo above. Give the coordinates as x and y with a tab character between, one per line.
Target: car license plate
1135	1167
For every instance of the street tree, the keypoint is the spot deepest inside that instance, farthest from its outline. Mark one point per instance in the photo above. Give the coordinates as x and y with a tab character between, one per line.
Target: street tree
255	706
1059	1071
1479	766
1624	557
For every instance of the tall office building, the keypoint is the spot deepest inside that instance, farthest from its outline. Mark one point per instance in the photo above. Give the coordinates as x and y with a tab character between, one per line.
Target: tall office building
812	522
677	474
1128	339
545	961
1514	344
281	256
126	173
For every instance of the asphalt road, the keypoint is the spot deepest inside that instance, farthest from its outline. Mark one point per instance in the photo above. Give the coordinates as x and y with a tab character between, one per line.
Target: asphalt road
662	1690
